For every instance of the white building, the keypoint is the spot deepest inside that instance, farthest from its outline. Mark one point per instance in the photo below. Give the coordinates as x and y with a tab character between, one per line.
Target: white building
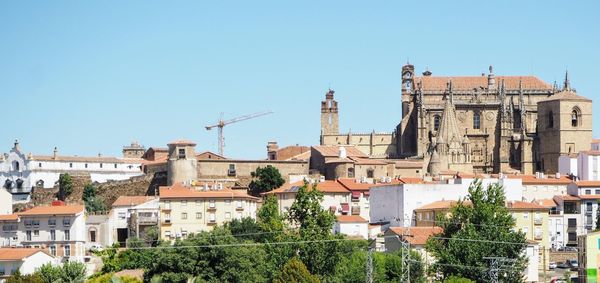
568	217
589	194
130	216
351	226
395	204
24	260
6	202
585	164
541	186
58	229
20	172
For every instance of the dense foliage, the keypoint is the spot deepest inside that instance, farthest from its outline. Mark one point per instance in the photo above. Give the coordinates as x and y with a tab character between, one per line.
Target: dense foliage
91	201
265	179
478	227
65	186
262	250
69	272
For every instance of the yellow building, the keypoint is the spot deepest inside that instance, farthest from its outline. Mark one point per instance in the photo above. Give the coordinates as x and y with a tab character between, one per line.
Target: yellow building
589	261
186	210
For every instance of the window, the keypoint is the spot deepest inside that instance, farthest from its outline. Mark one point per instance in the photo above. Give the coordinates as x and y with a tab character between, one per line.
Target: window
227	215
17	167
122	215
227	202
36	233
70	165
231	171
67	235
181	153
53	250
211	203
86	165
351	172
167	216
52	235
67	250
167	204
588	206
184	203
476	121
598	192
184	215
436	122
550	120
238	204
198	203
575	117
93	236
100	165
370	173
115	166
212	217
198	215
28	235
526	215
588	192
40	164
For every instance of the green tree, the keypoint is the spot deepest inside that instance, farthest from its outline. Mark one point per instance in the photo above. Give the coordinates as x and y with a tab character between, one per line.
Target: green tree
19	278
456	279
65	186
245	229
151	236
387	267
479	228
72	272
91	201
49	273
294	271
265	179
269	218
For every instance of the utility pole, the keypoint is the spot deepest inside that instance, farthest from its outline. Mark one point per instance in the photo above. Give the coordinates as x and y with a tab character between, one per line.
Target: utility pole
405	250
493	270
370	265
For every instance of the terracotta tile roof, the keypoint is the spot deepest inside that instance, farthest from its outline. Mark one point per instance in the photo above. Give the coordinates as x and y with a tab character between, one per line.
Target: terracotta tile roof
353	185
90	159
9	217
411	180
182	142
408	163
592	152
327	186
566	197
596	141
207	155
302	156
333	151
351	219
441	204
589	196
549	203
339	160
586	184
179	191
132	200
53	210
566	95
523	205
16	254
547	180
419	235
468	83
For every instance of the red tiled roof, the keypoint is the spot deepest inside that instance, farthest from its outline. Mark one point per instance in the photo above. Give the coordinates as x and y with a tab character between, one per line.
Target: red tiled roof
53	210
547	180
439	83
418	235
566	95
441	204
591	152
585	184
566	197
132	200
589	196
179	191
9	217
596	141
328	186
523	205
351	219
549	203
15	254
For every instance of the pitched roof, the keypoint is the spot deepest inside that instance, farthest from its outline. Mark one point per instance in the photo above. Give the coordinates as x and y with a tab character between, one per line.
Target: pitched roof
566	95
585	184
468	83
566	197
132	200
549	203
333	151
208	155
90	159
179	191
327	186
15	254
523	205
418	235
547	180
9	217
182	142
441	204
589	196
53	210
351	219
367	161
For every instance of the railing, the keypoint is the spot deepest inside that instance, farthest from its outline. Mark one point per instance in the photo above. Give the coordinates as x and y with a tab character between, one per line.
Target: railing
571	211
239	208
538	236
355	210
538	221
148	220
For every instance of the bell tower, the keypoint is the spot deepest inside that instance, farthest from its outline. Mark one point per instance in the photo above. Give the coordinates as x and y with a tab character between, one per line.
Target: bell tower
329	115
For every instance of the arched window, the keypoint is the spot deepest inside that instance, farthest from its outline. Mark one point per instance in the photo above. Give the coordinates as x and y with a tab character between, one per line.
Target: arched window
550	119
436	122
370	173
575	117
476	121
16	166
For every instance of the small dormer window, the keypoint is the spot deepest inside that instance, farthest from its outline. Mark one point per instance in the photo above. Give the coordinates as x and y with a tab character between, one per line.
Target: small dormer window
181	153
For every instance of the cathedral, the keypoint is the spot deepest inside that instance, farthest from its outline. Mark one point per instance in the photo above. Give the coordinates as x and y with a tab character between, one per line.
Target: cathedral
481	124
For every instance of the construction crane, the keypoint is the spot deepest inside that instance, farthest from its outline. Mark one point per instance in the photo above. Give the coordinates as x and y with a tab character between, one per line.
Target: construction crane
222	123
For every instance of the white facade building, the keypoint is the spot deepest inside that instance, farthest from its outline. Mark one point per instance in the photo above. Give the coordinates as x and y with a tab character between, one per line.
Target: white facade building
351	226
130	216
20	172
24	260
395	204
6	202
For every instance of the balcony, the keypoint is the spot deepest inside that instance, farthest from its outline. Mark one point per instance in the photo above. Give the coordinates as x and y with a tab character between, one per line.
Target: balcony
588	212
167	221
538	236
355	210
231	173
212	222
212	208
239	208
538	221
148	220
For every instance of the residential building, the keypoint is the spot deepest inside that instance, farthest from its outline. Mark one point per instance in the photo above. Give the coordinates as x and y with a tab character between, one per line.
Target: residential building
589	260
188	209
131	216
6	202
336	197
23	260
569	207
351	226
542	186
584	165
589	194
20	172
98	230
58	229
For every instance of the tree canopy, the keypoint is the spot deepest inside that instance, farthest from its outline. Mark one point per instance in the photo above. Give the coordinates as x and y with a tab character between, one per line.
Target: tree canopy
479	226
265	179
91	201
65	186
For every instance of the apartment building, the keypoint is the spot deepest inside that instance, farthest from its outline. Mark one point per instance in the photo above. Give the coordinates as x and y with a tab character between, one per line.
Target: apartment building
58	229
569	208
589	194
541	186
336	197
131	216
186	210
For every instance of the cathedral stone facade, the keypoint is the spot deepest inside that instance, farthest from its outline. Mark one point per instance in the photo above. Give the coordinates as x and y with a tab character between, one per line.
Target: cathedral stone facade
486	123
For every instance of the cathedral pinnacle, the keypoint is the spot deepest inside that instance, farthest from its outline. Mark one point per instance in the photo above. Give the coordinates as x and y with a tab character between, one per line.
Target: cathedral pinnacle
566	83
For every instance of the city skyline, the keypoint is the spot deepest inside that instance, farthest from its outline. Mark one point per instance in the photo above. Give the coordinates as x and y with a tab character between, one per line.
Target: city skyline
93	77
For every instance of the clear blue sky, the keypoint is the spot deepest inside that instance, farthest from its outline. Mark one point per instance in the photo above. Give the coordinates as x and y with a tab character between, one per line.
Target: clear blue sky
91	76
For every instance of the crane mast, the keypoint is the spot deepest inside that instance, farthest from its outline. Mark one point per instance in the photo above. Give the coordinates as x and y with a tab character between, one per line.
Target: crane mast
222	123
